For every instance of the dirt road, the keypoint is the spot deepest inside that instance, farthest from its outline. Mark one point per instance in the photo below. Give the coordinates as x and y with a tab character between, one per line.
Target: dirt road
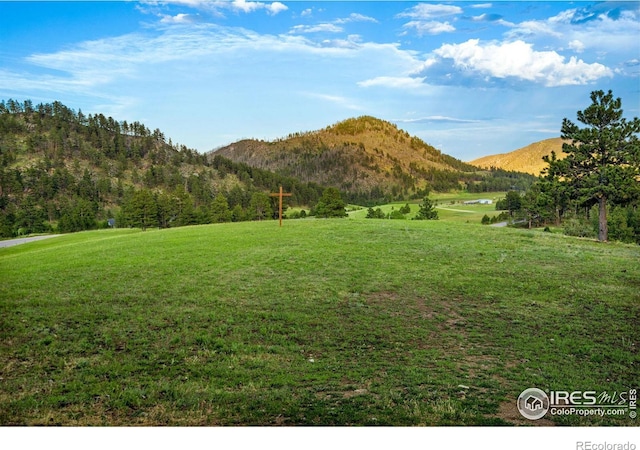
12	242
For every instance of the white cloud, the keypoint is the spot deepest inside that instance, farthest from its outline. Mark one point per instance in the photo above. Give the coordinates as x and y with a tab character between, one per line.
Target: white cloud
245	6
482	5
518	59
234	5
492	18
352	41
534	28
577	46
276	7
430	27
424	66
92	64
177	19
430	11
249	6
601	28
355	17
423	14
393	82
332	27
319	28
484	17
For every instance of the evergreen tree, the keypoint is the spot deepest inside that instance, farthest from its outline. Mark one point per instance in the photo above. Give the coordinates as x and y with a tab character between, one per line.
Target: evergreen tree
603	159
427	211
77	215
552	186
330	204
30	218
167	209
260	206
379	214
537	206
142	210
237	214
513	202
220	211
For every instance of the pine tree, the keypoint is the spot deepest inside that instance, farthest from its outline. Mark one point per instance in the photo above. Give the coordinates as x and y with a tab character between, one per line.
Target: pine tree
427	211
220	211
330	204
142	210
260	206
603	159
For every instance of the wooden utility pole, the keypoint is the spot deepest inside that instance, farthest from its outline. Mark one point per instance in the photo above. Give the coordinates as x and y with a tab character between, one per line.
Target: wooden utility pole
280	194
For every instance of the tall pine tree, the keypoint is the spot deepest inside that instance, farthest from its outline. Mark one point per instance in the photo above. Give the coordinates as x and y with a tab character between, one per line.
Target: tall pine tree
603	158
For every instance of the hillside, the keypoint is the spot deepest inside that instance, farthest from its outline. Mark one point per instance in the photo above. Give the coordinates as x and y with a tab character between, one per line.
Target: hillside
526	159
361	154
62	170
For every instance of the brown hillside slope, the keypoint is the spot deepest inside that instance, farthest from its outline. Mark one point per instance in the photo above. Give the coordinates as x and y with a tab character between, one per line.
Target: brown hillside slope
354	155
526	159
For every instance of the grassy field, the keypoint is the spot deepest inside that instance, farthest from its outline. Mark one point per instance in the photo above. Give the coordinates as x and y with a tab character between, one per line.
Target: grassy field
321	322
450	207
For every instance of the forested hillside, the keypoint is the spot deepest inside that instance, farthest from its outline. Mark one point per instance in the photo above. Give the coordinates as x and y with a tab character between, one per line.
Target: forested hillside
369	159
66	171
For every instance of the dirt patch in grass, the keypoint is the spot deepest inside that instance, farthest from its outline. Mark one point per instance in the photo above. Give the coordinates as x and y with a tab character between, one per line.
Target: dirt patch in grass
332	395
424	308
508	412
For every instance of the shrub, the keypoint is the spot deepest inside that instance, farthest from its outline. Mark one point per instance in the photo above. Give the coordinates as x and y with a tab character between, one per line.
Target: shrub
579	228
375	214
396	214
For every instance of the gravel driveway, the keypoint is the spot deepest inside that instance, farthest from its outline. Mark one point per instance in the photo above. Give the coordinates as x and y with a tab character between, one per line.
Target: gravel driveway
12	242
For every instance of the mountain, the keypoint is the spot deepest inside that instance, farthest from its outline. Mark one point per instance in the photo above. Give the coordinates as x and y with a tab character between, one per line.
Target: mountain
526	159
62	170
363	155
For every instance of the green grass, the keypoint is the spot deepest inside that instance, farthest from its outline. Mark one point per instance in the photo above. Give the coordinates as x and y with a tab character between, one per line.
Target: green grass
450	207
320	322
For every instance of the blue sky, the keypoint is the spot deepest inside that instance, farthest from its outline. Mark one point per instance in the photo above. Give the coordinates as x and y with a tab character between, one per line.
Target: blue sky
470	78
